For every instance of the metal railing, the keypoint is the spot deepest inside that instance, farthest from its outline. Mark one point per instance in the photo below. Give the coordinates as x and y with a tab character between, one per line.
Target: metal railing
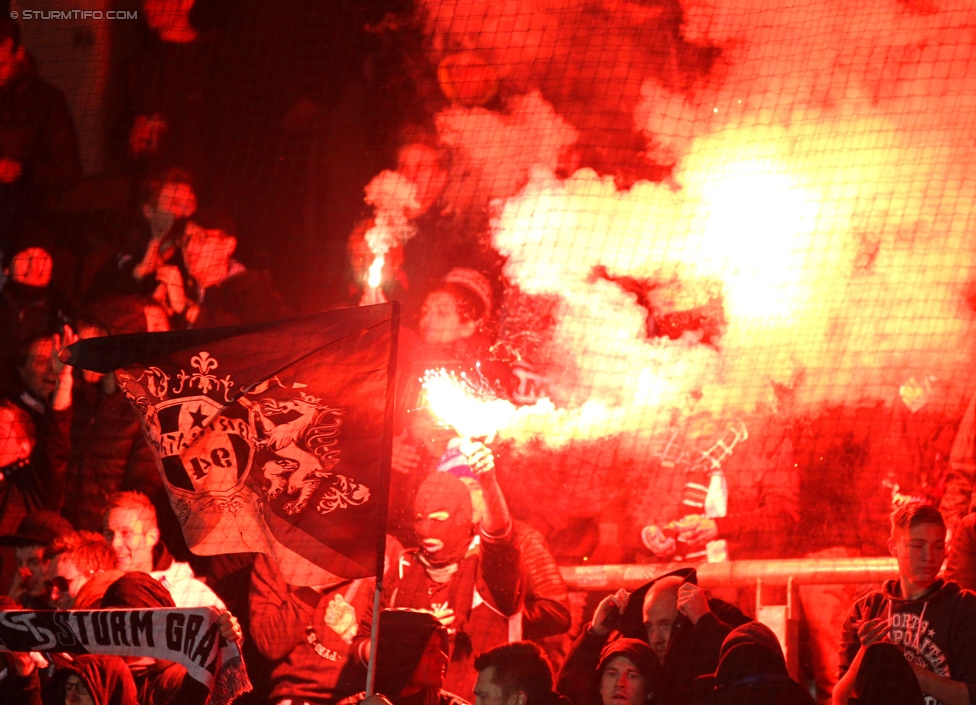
747	573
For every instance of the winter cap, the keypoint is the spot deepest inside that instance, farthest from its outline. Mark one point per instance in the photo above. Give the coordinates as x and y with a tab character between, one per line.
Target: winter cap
38	528
638	653
475	283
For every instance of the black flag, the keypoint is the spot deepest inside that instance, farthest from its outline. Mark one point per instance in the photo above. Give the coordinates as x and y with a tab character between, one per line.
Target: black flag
271	438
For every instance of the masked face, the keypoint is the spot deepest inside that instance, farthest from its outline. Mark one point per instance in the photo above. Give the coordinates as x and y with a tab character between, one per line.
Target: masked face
443	518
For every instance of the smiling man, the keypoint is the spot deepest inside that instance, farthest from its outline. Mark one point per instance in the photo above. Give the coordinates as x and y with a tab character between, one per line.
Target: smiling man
131	529
932	622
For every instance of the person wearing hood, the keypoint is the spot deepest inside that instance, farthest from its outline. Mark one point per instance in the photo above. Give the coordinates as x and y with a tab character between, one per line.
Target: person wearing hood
91	680
683	627
411	660
628	674
751	671
931	621
471	579
161	682
39	157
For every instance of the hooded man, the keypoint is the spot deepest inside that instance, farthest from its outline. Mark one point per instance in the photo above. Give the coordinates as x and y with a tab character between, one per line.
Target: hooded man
751	671
930	620
411	660
470	580
684	628
103	679
160	681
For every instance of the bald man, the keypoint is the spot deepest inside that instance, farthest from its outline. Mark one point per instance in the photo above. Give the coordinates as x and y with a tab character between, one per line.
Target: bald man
683	627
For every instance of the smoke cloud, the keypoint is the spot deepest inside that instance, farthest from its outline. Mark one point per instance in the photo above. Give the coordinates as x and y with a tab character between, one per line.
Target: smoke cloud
817	188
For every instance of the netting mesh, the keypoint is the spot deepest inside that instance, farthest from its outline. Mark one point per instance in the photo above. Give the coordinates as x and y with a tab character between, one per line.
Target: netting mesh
726	243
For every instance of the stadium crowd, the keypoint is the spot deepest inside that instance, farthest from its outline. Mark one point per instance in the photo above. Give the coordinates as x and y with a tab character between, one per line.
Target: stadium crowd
474	608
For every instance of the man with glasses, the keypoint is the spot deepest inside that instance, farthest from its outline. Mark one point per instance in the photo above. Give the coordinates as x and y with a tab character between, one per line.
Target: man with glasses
73	560
219	290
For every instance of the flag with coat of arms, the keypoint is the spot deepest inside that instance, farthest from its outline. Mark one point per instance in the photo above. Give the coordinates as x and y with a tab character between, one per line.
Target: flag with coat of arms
271	438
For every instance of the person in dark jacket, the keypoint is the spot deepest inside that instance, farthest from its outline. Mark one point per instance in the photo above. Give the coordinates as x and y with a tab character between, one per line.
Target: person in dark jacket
930	620
470	579
683	627
166	200
109	451
411	660
628	674
751	671
161	682
885	678
42	388
38	145
218	291
104	679
515	674
305	632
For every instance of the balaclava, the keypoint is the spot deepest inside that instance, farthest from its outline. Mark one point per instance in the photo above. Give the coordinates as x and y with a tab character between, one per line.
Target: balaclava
443	541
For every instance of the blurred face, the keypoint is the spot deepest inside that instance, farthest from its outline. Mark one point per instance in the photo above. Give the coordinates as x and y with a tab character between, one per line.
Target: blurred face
176	200
156	319
660	613
64	581
10	60
32	267
132	536
622	683
488	692
15	435
441	322
419	163
76	692
32	568
920	551
86	332
207	253
432	668
161	15
38	371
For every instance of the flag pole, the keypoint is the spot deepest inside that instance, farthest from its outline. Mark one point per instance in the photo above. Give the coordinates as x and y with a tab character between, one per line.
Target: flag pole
385	463
374	637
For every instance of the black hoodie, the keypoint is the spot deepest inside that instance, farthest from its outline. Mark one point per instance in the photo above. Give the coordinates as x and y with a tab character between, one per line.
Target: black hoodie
404	635
692	651
751	670
945	643
106	677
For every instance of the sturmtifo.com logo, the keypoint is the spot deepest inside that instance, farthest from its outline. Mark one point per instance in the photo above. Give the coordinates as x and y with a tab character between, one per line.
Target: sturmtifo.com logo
27	15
